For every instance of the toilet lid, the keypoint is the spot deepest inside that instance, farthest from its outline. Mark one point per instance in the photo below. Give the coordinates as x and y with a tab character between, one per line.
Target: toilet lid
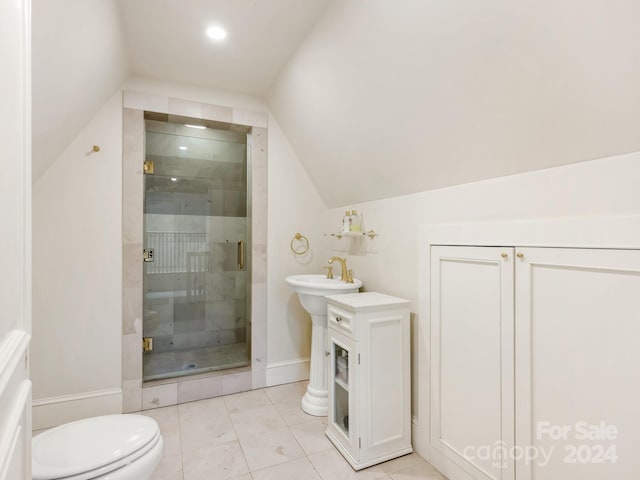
89	444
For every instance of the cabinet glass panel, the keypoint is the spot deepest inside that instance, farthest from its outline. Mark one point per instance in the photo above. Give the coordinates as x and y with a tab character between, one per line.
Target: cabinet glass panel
341	388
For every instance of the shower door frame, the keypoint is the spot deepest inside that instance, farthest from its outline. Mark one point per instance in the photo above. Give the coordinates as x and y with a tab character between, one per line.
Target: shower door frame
139	395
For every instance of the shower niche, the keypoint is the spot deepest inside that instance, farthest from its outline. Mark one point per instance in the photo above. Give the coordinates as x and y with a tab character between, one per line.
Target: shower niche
197	246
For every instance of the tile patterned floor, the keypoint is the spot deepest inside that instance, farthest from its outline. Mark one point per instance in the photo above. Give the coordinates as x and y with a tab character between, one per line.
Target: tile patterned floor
262	435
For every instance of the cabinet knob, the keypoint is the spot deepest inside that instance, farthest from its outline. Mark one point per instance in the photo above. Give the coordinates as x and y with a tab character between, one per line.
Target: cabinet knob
338	319
327	353
520	255
504	255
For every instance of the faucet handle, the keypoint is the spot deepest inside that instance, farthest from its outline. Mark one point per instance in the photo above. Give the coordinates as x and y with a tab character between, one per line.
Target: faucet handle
329	271
350	276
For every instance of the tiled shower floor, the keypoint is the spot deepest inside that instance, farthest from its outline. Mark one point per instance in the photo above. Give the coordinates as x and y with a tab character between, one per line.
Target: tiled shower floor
174	364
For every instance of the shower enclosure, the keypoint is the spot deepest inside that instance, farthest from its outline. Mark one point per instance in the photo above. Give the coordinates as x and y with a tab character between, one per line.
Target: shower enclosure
196	247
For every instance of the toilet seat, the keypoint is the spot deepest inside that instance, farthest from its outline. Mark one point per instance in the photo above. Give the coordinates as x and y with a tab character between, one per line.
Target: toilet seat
89	448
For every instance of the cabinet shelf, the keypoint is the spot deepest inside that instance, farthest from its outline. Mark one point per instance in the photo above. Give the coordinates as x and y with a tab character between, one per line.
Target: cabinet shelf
344	385
344	430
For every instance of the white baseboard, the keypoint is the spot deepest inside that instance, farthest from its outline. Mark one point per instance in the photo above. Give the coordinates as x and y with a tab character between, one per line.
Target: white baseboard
287	372
53	411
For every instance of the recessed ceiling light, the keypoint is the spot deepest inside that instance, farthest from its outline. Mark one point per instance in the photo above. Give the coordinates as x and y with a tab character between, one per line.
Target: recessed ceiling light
182	148
216	33
199	127
174	179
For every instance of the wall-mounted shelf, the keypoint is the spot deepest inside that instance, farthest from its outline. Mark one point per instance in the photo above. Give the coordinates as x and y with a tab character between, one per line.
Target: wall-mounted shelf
371	234
353	226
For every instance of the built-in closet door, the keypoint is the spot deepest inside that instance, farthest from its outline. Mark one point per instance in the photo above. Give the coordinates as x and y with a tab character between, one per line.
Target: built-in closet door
15	239
578	363
472	378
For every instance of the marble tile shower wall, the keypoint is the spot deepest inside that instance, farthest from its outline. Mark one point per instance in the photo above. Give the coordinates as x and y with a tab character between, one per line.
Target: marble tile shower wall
211	171
185	389
222	202
195	310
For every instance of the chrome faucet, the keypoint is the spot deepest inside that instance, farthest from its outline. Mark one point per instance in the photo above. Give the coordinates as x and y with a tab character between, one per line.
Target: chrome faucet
344	274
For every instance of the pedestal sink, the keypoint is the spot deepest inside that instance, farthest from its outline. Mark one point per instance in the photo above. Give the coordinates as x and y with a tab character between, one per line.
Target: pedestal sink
311	290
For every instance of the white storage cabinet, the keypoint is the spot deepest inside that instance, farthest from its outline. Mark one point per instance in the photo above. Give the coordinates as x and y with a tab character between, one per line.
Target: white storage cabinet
535	348
369	377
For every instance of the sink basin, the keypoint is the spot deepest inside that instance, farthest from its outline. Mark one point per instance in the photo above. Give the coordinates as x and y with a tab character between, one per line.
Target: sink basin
312	289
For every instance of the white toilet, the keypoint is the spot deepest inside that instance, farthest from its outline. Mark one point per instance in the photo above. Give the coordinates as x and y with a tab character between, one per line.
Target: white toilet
111	447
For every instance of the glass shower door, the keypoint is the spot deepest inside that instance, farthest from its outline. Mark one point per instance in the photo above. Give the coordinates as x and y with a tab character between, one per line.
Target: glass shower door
196	250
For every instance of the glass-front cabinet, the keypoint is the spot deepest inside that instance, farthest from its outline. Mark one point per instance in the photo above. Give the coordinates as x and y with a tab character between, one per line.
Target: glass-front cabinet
369	377
342	387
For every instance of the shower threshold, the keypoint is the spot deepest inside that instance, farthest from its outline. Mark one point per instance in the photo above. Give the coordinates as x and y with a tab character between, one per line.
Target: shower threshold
162	365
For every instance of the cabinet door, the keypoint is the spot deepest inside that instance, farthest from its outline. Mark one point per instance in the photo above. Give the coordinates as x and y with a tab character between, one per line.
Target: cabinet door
15	239
578	363
472	378
384	376
343	414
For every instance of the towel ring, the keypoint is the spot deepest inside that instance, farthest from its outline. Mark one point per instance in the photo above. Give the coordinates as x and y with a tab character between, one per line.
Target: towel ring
305	247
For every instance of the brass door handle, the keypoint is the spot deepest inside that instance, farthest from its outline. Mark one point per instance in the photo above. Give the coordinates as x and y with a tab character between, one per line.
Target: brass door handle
241	255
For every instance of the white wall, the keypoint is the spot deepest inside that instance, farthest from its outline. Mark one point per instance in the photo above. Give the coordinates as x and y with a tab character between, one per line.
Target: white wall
77	271
79	59
602	187
294	207
606	187
78	257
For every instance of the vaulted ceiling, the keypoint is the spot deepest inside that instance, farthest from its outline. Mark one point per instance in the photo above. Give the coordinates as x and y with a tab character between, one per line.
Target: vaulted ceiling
83	50
79	59
378	98
165	39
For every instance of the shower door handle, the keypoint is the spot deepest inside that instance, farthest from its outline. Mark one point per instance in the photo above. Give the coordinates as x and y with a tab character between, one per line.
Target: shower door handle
241	255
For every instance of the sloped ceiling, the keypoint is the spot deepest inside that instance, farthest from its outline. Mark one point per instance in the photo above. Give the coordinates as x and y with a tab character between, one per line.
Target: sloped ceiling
166	39
388	98
83	51
379	98
78	61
